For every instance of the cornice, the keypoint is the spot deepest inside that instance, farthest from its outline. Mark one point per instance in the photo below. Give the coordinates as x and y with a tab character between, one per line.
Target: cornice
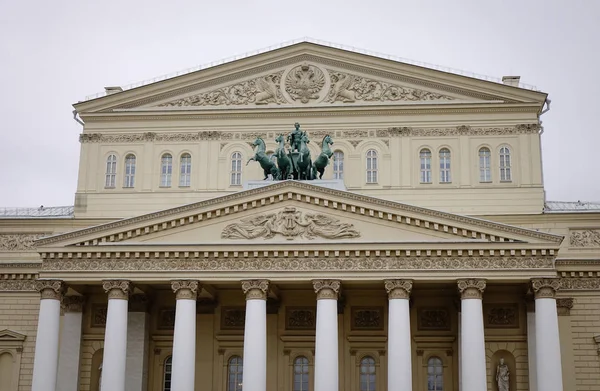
293	190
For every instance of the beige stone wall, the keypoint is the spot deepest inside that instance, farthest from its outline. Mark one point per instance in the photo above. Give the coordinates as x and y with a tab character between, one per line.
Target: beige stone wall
19	312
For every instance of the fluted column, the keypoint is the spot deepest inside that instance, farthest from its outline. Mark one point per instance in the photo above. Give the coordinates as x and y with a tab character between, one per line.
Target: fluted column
547	341
70	343
473	370
255	335
45	363
399	343
326	339
115	337
184	337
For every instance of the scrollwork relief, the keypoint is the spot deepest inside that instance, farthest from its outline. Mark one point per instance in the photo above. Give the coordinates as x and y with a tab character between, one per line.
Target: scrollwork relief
301	318
233	318
433	318
367	318
501	316
585	238
290	224
18	242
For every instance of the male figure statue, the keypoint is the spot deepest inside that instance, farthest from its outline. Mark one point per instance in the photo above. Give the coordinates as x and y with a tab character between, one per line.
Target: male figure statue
295	137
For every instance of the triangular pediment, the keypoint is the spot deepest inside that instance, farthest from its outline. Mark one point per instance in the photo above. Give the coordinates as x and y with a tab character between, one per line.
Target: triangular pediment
308	75
295	213
12	336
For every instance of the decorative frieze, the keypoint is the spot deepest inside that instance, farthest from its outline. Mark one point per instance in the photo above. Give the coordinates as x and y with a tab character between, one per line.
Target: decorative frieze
332	263
545	288
433	319
564	306
357	134
185	289
290	223
501	315
398	289
50	289
117	289
579	284
28	285
300	318
18	242
255	289
98	314
233	318
72	304
584	238
367	318
471	288
327	289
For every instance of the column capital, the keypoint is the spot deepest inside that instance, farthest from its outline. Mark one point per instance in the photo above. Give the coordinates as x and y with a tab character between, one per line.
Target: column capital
327	289
186	289
255	289
117	289
564	306
398	289
51	289
471	288
545	288
72	304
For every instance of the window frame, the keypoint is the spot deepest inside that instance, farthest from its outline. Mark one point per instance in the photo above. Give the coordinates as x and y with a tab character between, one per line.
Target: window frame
166	177
445	168
167	361
185	176
503	168
338	169
438	378
129	171
425	170
235	169
305	372
110	172
240	372
370	375
372	166
486	167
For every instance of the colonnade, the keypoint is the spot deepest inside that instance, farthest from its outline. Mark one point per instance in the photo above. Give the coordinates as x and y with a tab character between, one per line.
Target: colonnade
472	340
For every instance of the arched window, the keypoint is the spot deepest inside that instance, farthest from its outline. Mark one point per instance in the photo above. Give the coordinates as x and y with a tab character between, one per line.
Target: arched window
129	171
505	173
111	171
166	170
425	156
371	166
167	374
435	374
367	374
300	374
485	172
235	374
445	176
185	170
338	165
236	169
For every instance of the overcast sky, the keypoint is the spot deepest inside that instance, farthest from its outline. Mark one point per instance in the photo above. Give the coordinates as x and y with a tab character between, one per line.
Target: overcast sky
54	53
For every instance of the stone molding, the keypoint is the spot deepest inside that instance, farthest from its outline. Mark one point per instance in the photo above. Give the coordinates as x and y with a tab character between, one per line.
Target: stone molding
545	288
186	289
398	289
117	289
50	289
72	304
319	196
255	289
471	288
295	263
228	136
327	289
564	305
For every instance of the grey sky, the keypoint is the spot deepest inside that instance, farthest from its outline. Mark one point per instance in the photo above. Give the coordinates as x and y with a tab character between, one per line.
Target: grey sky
53	54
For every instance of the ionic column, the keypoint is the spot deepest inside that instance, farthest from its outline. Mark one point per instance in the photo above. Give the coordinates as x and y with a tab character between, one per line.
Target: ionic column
326	339
115	336
184	337
70	343
45	363
547	340
399	343
255	335
473	370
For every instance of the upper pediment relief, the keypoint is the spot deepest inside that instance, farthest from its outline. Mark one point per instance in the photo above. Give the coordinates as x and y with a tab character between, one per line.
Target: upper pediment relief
307	84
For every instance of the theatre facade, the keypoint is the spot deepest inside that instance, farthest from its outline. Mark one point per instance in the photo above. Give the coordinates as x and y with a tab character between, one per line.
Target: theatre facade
400	241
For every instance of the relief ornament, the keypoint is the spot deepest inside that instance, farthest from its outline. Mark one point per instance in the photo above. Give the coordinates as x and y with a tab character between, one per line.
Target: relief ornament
304	82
